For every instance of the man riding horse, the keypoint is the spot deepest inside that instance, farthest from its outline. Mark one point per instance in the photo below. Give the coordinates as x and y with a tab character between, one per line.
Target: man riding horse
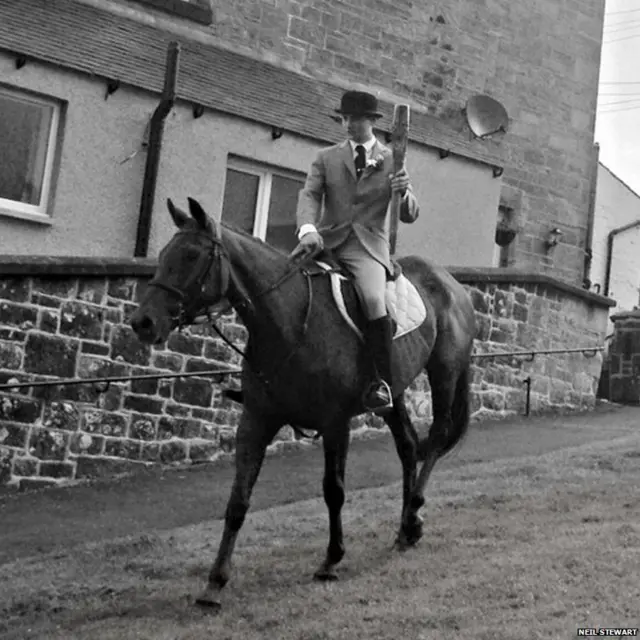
354	181
294	333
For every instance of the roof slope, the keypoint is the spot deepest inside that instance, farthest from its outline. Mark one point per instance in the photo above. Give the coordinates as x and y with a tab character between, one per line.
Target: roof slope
619	180
98	42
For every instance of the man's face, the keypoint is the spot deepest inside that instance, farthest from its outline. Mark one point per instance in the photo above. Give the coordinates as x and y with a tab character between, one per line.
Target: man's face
358	128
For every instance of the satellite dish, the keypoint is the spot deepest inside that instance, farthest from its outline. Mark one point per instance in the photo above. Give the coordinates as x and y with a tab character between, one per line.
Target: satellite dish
485	116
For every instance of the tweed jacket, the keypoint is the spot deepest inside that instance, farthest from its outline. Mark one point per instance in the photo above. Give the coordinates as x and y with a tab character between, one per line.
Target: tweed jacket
338	203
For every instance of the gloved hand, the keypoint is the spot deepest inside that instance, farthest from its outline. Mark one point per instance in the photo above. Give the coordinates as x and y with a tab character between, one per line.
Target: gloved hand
310	244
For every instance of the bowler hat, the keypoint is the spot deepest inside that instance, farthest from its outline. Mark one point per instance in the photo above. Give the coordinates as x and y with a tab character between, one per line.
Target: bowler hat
359	103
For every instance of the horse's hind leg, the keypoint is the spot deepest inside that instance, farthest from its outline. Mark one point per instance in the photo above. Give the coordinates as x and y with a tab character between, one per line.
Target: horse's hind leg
406	441
336	446
448	389
252	438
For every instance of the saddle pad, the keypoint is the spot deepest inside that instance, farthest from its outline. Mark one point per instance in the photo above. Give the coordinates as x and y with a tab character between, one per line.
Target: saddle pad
404	303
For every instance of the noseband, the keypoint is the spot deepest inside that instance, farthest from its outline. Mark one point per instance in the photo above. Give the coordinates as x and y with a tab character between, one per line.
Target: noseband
200	281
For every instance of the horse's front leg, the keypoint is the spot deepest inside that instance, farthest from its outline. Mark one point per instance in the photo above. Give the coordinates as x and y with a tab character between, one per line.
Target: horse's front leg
406	441
336	446
252	438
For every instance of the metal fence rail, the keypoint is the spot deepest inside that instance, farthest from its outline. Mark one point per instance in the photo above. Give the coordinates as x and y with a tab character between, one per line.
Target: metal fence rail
101	385
65	382
589	352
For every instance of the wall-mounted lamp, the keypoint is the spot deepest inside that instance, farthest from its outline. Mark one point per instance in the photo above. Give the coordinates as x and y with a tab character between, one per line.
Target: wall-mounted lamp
276	132
21	60
553	238
197	110
443	153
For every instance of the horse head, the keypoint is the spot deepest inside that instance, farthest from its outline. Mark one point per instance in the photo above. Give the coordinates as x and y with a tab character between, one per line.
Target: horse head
192	275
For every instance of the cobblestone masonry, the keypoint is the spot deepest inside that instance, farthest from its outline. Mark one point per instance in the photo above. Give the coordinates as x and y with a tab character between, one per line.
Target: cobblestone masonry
70	326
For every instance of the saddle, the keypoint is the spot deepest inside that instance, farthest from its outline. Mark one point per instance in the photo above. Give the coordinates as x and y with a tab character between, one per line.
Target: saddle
404	304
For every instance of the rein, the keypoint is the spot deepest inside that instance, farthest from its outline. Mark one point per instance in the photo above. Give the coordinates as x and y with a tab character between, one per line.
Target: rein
189	315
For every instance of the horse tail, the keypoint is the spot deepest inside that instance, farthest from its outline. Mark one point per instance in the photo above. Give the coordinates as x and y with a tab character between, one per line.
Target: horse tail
459	412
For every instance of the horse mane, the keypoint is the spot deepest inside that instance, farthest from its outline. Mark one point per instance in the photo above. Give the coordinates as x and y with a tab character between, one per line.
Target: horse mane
253	239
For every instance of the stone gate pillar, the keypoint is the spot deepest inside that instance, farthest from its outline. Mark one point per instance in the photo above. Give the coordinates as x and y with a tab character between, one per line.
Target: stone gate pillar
624	358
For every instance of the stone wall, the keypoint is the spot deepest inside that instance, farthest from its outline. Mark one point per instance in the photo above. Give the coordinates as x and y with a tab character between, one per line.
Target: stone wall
69	319
622	382
517	311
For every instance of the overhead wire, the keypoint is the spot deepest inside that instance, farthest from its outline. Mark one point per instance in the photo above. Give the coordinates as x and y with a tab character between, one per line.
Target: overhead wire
609	29
622	23
617	109
622	31
609	104
615	13
621	26
631	37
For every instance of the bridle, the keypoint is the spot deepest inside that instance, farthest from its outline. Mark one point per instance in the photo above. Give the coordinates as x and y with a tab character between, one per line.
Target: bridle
204	298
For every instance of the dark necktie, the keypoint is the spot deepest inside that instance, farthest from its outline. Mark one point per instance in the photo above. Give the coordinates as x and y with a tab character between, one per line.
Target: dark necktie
360	160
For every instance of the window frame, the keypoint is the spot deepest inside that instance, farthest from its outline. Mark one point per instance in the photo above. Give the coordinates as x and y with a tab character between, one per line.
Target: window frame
265	175
15	208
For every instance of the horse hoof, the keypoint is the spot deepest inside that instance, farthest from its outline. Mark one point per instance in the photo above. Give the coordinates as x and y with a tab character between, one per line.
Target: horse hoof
415	533
208	601
408	539
401	544
325	575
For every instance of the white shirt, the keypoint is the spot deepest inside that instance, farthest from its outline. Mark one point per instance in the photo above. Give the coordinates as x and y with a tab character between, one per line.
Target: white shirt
368	148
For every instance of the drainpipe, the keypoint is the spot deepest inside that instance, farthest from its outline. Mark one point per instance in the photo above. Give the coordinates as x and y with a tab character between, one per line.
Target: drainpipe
588	248
156	129
612	234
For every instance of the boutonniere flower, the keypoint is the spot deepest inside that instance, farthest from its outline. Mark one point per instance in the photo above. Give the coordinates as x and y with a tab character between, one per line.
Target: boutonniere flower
375	164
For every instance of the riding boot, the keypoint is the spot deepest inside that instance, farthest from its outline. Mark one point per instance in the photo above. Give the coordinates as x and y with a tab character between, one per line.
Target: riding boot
378	338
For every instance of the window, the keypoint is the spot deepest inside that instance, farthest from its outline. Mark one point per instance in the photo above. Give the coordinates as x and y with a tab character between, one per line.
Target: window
28	134
262	201
196	10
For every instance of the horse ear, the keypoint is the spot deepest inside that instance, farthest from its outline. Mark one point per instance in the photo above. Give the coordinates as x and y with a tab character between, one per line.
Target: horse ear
178	215
199	215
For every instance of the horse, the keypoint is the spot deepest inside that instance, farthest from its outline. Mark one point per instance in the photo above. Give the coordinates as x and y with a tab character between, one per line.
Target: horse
304	366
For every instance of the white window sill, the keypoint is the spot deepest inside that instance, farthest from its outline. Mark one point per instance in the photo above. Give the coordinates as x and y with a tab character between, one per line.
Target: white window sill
37	218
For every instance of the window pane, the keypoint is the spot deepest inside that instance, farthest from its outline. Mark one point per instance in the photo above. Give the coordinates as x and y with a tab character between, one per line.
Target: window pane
240	197
24	137
281	227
